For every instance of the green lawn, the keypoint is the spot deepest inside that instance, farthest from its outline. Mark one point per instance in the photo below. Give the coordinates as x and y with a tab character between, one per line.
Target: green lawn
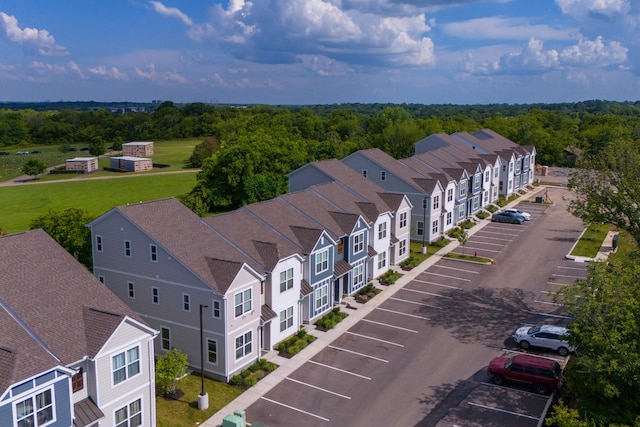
591	240
22	203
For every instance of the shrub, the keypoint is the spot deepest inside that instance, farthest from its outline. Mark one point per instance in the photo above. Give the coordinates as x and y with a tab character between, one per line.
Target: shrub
250	381
329	320
294	344
254	373
390	277
483	214
169	369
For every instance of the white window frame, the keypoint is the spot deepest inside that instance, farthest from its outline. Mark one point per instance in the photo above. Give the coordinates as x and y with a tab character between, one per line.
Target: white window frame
153	253
382	230
435	225
420	228
129	416
436	201
242	302
322	261
165	342
496	172
129	363
449	194
127	248
321	296
34	402
402	247
358	243
463	189
99	243
358	276
286	280
216	309
449	218
155	295
244	345
186	302
131	290
403	219
213	352
286	319
382	260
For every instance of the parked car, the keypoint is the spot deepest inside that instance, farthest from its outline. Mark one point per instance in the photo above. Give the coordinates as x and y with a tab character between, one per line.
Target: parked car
509	217
36	152
22	152
84	149
73	149
4	153
541	374
545	336
525	215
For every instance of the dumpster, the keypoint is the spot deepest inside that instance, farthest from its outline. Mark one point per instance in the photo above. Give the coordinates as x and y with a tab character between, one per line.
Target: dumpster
538	199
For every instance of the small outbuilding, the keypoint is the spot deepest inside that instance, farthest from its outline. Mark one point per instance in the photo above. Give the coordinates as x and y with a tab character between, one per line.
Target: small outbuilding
138	149
131	164
84	164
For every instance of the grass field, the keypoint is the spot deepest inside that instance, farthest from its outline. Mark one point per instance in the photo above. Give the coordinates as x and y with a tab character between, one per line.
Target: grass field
21	204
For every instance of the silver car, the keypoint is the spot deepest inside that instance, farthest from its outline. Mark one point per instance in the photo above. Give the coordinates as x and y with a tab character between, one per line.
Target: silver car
545	336
525	215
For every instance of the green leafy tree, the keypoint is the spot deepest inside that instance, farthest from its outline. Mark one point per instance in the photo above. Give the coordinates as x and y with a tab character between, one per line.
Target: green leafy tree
68	228
607	187
203	151
34	167
97	148
603	379
170	368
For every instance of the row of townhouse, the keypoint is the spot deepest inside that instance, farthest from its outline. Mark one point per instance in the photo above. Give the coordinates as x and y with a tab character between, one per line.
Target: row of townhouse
71	352
254	275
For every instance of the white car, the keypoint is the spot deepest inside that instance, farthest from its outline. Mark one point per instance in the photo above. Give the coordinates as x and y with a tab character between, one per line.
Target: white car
545	336
525	215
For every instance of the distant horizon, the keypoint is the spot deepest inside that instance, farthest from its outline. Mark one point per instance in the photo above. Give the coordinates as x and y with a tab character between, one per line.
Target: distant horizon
321	52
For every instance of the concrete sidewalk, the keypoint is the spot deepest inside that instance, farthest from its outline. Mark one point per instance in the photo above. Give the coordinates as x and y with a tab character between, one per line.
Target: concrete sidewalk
287	366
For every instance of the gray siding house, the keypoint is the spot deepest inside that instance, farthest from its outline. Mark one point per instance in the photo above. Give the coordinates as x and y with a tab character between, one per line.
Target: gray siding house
167	265
71	352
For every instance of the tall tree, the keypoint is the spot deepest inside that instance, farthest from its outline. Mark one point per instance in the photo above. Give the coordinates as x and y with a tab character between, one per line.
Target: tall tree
607	187
34	167
68	228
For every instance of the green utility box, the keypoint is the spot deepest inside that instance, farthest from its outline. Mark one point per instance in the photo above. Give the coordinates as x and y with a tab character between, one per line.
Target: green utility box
237	419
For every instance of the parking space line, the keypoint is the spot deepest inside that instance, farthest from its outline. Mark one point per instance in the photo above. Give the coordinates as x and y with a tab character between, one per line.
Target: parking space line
548	314
457	269
375	339
545	302
415	302
390	326
319	388
572	268
477	235
357	353
403	314
480	249
295	409
446	275
549	293
504	411
574	277
437	284
558	284
340	370
489	244
426	293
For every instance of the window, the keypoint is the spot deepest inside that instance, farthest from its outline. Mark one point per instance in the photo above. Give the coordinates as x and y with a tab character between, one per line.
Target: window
322	261
476	203
153	249
358	276
286	319
504	168
496	172
132	290
436	202
286	280
358	243
165	334
434	227
216	309
449	218
99	243
212	351
322	296
130	415
420	228
243	345
510	166
383	175
242	302
487	175
125	365
155	295
476	181
364	173
101	278
500	185
127	248
186	302
449	194
340	246
77	382
37	410
382	230
403	220
463	188
402	248
382	260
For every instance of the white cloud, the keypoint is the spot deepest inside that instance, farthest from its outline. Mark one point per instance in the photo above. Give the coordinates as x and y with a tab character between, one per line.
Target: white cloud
75	68
501	28
582	8
160	78
594	53
171	12
112	73
31	39
532	57
324	66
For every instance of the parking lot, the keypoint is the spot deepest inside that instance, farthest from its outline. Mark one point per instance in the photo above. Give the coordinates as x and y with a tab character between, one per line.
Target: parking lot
420	357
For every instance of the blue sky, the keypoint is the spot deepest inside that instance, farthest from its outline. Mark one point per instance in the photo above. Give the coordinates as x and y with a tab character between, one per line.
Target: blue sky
320	51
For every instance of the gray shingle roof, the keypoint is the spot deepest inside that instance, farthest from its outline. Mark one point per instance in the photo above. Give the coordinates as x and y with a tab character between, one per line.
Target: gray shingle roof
47	292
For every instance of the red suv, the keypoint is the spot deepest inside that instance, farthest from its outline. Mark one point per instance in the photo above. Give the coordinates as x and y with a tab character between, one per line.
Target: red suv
541	374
